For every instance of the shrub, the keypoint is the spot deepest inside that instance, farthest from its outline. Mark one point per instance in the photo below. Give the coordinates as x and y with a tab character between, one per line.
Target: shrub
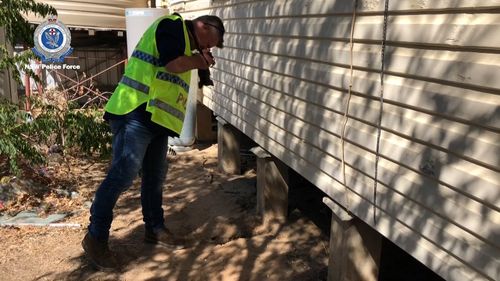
28	138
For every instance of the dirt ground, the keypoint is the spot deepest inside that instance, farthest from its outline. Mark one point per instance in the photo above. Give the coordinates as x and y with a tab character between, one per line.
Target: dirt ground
214	211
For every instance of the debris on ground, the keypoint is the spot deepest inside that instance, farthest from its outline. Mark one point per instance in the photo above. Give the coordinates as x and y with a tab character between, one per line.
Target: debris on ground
216	211
64	186
26	218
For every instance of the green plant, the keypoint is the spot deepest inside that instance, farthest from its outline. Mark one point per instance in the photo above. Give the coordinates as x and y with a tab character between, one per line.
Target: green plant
18	137
18	30
86	130
26	138
81	129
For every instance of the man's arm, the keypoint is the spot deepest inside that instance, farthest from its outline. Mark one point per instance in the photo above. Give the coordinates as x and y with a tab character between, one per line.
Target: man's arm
185	63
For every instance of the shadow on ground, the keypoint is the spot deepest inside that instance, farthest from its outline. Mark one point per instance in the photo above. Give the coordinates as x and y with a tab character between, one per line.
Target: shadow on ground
226	240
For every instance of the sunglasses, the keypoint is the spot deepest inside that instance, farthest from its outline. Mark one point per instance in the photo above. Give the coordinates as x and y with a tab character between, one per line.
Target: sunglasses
221	31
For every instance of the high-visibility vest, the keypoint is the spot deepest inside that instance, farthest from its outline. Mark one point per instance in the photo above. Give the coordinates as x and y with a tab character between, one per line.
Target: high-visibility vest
147	80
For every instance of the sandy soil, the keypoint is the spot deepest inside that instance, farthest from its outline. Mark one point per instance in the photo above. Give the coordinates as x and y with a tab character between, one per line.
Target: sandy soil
215	211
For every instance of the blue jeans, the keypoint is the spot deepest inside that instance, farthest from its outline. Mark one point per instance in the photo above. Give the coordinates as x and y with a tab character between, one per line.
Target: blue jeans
134	145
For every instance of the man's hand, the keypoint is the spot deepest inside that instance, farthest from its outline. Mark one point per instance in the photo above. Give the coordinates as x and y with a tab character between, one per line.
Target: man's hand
209	58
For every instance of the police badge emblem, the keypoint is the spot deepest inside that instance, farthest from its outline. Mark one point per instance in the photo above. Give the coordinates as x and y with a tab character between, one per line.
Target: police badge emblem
52	41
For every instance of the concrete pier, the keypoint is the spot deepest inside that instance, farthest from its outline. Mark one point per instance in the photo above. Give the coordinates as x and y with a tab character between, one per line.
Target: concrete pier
354	247
228	140
272	187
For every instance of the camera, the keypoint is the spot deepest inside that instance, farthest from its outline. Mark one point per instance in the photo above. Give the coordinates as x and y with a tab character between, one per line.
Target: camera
204	76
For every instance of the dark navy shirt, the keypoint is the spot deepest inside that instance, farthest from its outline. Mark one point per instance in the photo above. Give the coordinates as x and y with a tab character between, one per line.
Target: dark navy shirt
170	43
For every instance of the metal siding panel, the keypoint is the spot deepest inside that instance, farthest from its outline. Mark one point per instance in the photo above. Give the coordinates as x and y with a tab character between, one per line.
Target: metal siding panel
458	101
413	154
301	8
463	68
454	30
361	159
283	80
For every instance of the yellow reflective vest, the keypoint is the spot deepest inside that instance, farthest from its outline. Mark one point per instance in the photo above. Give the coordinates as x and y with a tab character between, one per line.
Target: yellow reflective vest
147	80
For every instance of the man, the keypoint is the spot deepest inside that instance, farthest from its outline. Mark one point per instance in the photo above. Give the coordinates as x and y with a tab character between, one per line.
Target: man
146	108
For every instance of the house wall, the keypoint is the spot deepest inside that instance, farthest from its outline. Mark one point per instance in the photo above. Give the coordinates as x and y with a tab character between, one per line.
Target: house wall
285	80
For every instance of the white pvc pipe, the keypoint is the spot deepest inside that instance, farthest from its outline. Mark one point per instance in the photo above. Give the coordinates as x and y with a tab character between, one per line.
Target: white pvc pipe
137	20
187	136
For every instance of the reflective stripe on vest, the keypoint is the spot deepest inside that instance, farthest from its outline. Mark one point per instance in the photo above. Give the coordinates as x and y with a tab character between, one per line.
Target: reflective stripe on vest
147	58
172	79
135	84
161	75
167	108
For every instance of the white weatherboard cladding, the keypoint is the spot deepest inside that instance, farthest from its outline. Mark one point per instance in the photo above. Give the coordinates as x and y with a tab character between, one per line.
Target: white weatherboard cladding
283	80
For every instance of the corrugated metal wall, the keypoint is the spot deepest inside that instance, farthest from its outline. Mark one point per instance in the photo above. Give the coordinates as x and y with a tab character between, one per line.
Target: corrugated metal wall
93	61
284	78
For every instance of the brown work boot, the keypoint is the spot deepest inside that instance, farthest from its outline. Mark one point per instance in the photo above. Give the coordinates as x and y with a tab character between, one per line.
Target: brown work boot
99	254
164	238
